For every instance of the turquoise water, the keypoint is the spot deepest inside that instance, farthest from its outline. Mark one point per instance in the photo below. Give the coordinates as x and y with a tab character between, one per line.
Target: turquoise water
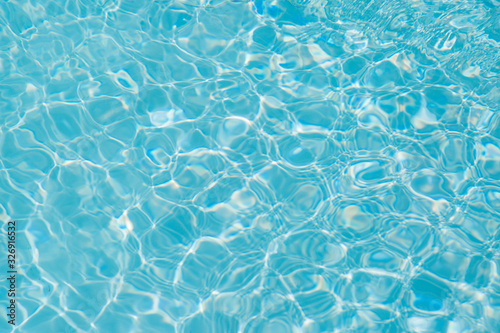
257	167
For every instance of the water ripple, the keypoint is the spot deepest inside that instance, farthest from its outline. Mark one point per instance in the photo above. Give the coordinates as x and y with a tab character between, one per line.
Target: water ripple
262	166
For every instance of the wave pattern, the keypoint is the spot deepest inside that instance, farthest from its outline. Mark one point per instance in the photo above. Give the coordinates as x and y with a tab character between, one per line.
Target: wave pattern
265	166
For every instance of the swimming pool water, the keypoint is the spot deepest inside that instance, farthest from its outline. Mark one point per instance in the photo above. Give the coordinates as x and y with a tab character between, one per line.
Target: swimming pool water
252	166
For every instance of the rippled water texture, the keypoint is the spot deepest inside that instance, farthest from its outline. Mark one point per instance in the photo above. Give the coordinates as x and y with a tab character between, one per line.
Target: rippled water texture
257	167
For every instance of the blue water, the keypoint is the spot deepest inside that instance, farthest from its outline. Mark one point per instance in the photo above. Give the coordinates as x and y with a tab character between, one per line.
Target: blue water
252	167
